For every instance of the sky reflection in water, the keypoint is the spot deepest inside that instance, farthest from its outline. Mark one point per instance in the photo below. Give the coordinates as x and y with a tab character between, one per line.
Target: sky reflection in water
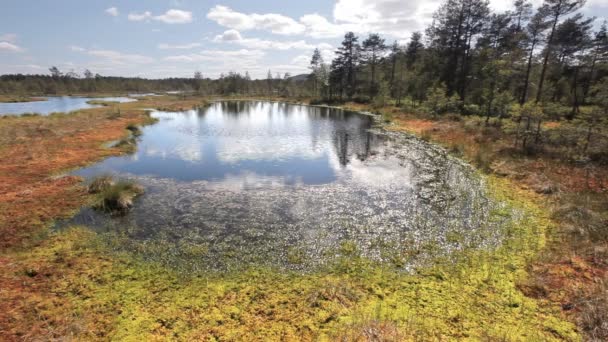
258	182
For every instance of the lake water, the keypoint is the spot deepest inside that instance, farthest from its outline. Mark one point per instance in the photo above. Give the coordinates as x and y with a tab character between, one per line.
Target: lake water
279	184
53	104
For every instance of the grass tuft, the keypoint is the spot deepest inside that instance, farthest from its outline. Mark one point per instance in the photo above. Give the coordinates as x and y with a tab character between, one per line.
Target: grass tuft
113	196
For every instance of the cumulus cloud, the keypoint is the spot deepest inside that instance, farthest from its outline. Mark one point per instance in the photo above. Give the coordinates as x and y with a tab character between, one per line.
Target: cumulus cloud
229	36
113	11
10	47
275	23
114	57
172	16
178	46
234	37
395	18
319	27
384	16
139	16
218	55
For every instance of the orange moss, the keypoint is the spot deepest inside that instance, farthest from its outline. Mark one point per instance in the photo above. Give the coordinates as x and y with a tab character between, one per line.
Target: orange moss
415	125
34	152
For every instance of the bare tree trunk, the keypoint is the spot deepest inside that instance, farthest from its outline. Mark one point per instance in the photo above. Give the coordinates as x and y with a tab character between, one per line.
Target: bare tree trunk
524	95
575	94
546	60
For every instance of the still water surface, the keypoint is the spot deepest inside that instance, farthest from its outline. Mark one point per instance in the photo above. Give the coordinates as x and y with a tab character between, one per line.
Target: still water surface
279	184
56	104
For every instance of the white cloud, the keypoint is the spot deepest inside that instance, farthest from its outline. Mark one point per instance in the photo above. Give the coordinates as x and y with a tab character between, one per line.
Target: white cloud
139	16
318	26
172	16
178	47
229	36
303	61
394	18
8	37
275	23
77	48
113	11
6	46
175	16
114	57
218	55
234	37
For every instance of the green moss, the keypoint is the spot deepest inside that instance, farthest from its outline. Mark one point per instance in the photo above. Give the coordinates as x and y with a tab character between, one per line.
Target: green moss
472	296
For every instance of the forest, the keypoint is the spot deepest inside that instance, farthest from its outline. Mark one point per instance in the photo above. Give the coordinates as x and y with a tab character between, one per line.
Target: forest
469	61
531	64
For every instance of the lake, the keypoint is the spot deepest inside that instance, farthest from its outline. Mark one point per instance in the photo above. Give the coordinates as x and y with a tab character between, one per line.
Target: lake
53	104
240	183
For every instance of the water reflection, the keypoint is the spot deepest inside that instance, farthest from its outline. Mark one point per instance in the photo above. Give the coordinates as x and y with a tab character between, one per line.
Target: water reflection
56	104
297	144
255	182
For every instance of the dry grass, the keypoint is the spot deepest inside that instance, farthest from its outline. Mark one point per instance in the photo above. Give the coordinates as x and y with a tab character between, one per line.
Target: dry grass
35	150
19	98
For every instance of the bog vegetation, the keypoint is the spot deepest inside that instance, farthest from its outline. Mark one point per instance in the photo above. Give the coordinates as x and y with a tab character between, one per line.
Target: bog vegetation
522	94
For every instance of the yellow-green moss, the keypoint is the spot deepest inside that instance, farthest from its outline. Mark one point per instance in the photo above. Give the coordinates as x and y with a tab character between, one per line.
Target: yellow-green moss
120	297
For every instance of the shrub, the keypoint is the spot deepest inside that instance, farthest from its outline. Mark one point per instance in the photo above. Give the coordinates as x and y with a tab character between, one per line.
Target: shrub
117	197
556	111
136	131
100	183
457	149
594	314
472	109
483	158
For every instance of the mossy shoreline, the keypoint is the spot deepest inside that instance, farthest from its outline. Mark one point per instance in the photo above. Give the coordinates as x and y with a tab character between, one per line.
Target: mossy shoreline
79	286
121	296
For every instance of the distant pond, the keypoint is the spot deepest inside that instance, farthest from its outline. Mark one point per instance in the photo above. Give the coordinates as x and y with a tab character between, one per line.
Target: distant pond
241	183
52	104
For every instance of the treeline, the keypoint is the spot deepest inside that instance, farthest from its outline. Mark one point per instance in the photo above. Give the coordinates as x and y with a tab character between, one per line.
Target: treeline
232	83
477	58
529	64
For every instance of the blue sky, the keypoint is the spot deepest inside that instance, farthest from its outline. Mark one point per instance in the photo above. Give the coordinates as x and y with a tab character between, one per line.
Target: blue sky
164	38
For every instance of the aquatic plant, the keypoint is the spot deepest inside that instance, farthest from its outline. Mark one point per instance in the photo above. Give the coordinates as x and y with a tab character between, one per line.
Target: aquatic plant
100	183
116	197
134	129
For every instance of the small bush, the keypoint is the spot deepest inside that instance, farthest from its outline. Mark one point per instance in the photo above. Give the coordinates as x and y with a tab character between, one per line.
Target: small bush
135	130
127	145
483	158
454	117
594	314
556	111
118	197
457	149
471	109
100	183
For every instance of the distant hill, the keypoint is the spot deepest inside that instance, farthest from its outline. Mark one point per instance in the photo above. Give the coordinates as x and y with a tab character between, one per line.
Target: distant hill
299	78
